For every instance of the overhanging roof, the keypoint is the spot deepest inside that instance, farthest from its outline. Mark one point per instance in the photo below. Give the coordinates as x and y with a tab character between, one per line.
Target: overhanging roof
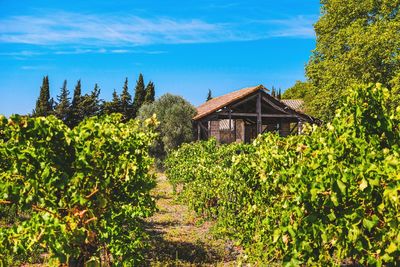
290	106
217	103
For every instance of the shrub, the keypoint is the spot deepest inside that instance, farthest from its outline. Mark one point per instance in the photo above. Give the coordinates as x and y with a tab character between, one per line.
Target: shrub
84	190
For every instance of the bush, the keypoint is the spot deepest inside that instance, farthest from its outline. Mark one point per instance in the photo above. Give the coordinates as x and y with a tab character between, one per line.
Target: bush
83	190
327	197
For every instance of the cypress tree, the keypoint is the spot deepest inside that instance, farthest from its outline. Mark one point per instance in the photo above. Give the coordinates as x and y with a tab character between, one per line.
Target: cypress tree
89	104
115	103
279	94
76	114
62	108
44	105
209	95
150	93
140	93
126	101
273	92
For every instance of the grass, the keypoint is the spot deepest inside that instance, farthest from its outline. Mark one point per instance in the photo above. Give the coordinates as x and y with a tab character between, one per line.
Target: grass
178	238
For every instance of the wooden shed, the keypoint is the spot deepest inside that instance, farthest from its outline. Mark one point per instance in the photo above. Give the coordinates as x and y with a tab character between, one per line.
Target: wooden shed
241	115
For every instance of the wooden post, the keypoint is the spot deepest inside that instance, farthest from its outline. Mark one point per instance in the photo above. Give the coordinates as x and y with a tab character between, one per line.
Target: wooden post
198	131
300	127
230	125
259	118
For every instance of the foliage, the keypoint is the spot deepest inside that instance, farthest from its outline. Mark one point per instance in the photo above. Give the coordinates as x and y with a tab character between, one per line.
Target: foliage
126	101
79	194
140	94
150	93
44	105
175	115
323	198
357	42
209	95
299	90
62	108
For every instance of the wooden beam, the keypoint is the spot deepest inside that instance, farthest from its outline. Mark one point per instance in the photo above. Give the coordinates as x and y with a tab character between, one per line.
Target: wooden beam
230	125
198	131
294	127
244	101
259	114
242	114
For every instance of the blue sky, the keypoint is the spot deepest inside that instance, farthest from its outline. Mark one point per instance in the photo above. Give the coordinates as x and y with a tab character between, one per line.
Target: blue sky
184	47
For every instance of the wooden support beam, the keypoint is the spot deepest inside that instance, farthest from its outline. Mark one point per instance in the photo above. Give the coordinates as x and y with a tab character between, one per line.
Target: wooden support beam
230	125
294	127
259	114
243	101
242	114
198	131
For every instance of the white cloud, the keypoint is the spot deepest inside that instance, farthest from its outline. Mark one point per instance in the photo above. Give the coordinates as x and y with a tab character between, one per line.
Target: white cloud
85	30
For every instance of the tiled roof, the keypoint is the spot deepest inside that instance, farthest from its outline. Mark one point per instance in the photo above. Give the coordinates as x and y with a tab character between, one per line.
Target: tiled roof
296	104
217	103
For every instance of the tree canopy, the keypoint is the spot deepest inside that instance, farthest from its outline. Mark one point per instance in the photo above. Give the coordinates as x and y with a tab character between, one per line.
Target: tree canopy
357	43
44	105
175	116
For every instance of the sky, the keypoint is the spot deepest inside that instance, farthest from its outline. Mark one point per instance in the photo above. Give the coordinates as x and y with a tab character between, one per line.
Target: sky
184	47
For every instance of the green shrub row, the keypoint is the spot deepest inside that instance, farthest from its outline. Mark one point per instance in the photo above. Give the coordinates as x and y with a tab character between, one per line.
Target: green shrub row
76	195
327	197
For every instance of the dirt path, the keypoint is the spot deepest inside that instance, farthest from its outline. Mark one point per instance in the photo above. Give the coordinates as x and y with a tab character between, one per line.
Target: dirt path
178	239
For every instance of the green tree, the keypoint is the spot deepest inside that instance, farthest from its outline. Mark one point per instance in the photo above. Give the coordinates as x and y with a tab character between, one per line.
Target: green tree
44	105
90	104
62	108
357	43
209	95
76	114
126	101
150	93
273	91
299	90
140	94
113	106
175	116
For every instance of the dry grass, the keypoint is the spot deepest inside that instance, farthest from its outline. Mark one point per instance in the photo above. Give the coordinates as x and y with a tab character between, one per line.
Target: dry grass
177	237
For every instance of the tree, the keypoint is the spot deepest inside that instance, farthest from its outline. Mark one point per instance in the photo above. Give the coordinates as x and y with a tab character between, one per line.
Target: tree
90	103
175	115
273	91
279	96
150	93
62	108
357	43
209	95
299	90
126	101
44	105
140	94
76	114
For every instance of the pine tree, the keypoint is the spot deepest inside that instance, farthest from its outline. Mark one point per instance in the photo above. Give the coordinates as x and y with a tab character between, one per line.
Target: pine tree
44	105
126	101
76	114
115	103
140	93
150	93
209	95
63	106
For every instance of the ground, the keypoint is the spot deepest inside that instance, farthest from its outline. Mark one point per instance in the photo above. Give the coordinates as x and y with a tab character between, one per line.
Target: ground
179	238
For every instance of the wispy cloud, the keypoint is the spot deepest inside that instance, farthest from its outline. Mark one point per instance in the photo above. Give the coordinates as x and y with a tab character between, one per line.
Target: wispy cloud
85	30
